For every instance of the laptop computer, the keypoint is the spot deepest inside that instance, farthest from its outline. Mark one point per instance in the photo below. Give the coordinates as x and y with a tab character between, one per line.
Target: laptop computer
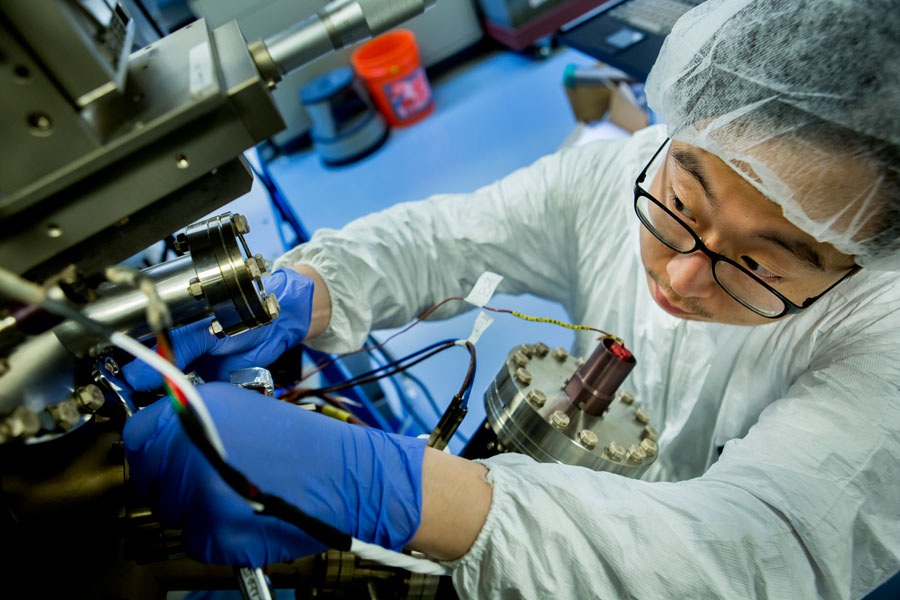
626	34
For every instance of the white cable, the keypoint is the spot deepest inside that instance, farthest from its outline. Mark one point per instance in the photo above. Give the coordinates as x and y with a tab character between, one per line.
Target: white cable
13	286
17	287
166	368
397	559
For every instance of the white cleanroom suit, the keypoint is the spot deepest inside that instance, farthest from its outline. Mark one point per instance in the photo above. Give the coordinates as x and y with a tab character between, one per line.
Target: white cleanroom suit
779	466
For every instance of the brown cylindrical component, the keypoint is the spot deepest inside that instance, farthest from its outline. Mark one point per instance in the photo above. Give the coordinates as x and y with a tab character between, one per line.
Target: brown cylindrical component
594	384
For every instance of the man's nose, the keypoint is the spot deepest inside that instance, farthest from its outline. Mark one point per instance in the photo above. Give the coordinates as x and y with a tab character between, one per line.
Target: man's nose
690	275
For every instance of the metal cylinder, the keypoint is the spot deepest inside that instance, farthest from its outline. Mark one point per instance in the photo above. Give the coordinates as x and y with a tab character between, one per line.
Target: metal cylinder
339	24
537	418
125	309
594	384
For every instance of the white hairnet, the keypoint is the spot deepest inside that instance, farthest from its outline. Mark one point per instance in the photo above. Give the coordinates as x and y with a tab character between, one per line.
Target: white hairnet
800	97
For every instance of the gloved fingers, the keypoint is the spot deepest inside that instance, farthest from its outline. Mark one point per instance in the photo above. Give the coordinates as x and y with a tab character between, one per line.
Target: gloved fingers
188	343
146	438
144	427
220	368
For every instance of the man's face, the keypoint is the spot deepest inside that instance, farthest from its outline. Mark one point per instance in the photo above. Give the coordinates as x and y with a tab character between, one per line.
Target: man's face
734	219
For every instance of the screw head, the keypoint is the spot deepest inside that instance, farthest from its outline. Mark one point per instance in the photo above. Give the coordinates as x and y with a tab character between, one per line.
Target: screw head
40	124
261	263
215	328
642	416
615	451
520	359
65	414
273	309
21	423
649	447
649	433
196	289
541	349
253	268
537	397
626	397
89	398
561	354
636	455
523	376
240	224
559	419
588	438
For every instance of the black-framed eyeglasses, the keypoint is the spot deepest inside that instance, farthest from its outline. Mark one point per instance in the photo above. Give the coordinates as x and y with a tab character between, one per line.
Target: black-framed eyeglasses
737	281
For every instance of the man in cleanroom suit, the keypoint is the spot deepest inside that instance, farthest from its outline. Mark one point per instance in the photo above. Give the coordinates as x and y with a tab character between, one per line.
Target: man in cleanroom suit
748	251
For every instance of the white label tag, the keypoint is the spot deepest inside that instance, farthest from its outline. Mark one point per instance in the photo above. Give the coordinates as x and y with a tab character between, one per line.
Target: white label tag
482	322
484	288
201	69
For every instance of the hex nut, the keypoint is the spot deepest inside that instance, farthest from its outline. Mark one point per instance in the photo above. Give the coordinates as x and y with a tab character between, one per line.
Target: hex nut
541	349
520	359
649	433
559	419
273	309
626	397
65	414
215	328
537	397
636	455
196	289
89	398
642	416
588	438
21	423
523	376
253	268
649	447
241	226
528	350
560	354
261	263
615	451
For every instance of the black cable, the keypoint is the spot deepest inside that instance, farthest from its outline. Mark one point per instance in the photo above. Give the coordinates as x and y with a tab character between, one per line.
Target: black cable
272	505
389	358
359	380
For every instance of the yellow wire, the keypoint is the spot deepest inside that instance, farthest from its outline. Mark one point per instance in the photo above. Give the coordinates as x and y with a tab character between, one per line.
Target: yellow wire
553	321
525	317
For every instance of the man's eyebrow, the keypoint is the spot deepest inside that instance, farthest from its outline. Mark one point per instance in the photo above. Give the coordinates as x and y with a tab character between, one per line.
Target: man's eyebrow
689	162
798	248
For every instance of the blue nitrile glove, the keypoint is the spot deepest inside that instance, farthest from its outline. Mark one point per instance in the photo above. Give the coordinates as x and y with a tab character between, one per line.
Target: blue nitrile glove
360	480
216	357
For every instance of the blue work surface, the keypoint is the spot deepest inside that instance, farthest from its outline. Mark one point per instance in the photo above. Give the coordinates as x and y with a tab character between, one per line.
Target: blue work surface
492	116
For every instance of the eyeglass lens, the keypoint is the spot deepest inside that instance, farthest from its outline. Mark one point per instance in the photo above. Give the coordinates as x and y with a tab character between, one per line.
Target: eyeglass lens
736	282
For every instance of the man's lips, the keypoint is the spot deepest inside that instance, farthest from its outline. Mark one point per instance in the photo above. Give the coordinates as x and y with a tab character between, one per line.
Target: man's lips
664	302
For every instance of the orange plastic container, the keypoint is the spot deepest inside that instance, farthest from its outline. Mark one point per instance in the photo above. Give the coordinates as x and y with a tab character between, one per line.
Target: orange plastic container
389	65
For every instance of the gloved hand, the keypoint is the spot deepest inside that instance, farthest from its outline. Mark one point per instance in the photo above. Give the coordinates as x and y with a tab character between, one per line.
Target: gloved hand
255	348
362	481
